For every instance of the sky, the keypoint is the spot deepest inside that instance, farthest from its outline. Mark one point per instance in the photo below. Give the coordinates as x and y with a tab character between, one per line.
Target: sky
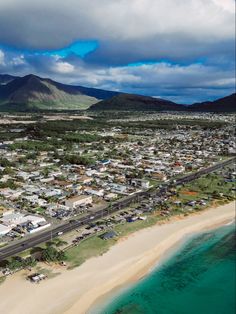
181	50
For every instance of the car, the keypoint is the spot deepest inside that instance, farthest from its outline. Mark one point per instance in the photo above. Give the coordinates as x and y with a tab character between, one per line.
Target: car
59	233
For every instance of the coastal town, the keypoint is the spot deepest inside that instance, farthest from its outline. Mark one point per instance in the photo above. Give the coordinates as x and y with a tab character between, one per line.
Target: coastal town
117	157
47	180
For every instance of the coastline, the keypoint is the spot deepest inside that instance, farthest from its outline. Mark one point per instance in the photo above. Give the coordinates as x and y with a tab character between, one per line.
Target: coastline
75	291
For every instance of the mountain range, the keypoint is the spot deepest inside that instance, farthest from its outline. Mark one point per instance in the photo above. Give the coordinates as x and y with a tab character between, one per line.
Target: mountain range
33	93
136	102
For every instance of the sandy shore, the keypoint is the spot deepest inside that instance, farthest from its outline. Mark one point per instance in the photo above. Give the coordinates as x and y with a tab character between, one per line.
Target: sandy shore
73	292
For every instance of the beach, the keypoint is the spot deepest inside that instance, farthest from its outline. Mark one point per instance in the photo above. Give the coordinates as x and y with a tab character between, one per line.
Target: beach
75	291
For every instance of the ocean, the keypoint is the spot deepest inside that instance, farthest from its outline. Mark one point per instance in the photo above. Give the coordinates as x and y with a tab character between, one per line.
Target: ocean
200	278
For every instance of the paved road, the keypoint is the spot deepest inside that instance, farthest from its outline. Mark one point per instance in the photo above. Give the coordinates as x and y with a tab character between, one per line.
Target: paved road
36	239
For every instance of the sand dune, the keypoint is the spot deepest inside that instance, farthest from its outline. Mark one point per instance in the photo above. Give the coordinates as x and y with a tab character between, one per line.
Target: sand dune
73	292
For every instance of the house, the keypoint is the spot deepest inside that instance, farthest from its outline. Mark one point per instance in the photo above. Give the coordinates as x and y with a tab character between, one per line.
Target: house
144	184
35	220
12	219
78	201
10	194
85	179
105	162
34	200
4	229
108	235
110	196
118	188
52	192
99	192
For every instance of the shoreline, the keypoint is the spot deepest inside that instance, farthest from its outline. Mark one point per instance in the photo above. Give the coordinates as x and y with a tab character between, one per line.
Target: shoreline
158	260
171	251
79	290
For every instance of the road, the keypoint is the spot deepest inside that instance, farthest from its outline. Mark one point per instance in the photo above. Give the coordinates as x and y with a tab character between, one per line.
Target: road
48	235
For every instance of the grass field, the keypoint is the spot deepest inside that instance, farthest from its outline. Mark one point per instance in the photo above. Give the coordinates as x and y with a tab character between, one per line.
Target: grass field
212	185
88	248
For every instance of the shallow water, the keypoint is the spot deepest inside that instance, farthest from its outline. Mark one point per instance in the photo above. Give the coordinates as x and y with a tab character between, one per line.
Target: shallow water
199	279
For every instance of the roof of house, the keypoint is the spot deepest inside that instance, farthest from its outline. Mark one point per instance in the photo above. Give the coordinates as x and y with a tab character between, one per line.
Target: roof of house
108	235
78	198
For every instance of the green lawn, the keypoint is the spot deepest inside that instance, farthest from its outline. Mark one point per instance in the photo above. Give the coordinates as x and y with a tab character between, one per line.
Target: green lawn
90	247
208	186
39	210
127	228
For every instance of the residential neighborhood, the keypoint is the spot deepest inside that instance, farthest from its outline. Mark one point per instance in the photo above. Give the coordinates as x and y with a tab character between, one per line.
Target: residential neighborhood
40	188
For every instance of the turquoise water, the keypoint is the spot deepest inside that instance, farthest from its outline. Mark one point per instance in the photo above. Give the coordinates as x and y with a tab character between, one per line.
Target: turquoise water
198	279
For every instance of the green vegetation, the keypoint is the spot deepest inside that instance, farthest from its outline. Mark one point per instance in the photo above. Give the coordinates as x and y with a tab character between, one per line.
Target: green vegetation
88	248
4	162
78	159
82	138
171	124
51	254
31	145
211	185
17	262
48	96
8	184
39	210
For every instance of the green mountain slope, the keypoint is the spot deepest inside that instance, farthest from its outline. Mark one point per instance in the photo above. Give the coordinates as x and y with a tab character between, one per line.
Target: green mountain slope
136	102
34	93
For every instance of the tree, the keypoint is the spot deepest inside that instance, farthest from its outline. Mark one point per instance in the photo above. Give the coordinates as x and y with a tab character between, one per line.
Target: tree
14	263
50	254
29	262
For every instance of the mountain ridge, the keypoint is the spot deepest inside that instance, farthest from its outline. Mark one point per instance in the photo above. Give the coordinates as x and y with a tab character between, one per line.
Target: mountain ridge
136	102
43	93
33	93
224	104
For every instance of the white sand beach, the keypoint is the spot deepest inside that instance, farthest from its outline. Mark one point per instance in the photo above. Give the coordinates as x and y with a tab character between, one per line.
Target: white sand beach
74	291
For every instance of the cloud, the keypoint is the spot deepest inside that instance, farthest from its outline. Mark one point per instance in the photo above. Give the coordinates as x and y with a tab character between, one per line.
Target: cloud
63	67
2	57
57	23
182	82
180	50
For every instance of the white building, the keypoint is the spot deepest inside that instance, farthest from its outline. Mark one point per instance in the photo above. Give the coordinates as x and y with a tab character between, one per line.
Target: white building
118	188
4	230
99	192
78	200
13	219
144	184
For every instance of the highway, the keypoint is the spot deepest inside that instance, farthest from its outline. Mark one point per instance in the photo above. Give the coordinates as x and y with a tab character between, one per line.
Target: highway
21	245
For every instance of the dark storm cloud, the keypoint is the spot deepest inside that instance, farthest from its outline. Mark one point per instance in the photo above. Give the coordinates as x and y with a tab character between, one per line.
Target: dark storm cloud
178	49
